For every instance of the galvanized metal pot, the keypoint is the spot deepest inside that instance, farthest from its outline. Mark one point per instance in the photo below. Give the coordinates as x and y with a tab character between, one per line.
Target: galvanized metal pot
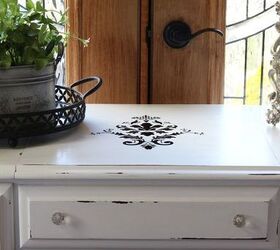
24	89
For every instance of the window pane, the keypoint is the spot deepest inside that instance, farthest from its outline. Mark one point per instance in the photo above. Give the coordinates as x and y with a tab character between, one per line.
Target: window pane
270	37
254	69
255	7
234	69
269	3
57	5
260	36
22	2
251	26
236	11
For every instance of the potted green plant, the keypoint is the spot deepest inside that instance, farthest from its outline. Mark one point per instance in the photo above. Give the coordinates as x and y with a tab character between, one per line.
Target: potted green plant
31	45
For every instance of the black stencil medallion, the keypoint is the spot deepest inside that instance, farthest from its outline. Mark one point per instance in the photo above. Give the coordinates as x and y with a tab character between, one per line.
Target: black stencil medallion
147	132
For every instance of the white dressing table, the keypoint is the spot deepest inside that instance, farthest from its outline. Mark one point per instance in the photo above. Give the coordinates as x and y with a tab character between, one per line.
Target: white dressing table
146	177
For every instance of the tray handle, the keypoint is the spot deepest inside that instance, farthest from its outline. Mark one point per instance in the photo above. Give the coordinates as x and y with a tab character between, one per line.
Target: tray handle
88	79
60	53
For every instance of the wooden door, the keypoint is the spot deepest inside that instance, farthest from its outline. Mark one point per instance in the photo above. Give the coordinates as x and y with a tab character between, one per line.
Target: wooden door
135	71
112	26
193	74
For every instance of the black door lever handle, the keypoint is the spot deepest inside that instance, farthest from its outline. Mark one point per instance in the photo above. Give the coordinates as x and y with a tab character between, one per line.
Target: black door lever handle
219	32
178	34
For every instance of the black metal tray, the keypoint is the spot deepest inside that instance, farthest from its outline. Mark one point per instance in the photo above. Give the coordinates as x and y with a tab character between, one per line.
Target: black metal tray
69	112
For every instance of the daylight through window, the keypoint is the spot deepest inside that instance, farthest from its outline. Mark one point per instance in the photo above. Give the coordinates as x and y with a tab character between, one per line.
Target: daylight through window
249	38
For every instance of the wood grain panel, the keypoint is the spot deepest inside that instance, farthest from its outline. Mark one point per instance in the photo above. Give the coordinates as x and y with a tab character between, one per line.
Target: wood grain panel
144	58
73	66
193	74
113	26
216	69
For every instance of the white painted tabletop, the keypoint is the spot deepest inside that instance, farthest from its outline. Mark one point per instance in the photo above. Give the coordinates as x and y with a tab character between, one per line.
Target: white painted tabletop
8	160
125	137
213	136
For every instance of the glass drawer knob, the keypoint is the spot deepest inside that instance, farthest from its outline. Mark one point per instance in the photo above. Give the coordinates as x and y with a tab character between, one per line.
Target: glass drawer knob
58	218
239	220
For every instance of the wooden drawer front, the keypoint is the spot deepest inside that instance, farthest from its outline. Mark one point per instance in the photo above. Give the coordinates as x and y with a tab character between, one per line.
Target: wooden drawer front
142	213
148	220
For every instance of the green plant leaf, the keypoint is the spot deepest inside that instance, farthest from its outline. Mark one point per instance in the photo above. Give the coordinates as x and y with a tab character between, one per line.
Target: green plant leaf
64	17
33	30
31	36
41	63
13	6
5	61
42	34
39	6
50	47
52	27
29	55
16	37
34	16
58	39
30	5
3	8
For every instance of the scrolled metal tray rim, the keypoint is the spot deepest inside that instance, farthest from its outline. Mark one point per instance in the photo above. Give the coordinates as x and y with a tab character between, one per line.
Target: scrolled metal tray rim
15	126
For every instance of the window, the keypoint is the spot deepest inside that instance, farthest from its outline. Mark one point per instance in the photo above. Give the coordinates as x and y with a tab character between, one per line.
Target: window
249	38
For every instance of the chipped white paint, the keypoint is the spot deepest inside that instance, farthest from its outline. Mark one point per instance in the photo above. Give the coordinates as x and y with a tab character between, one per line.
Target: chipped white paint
8	161
144	213
182	196
6	217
